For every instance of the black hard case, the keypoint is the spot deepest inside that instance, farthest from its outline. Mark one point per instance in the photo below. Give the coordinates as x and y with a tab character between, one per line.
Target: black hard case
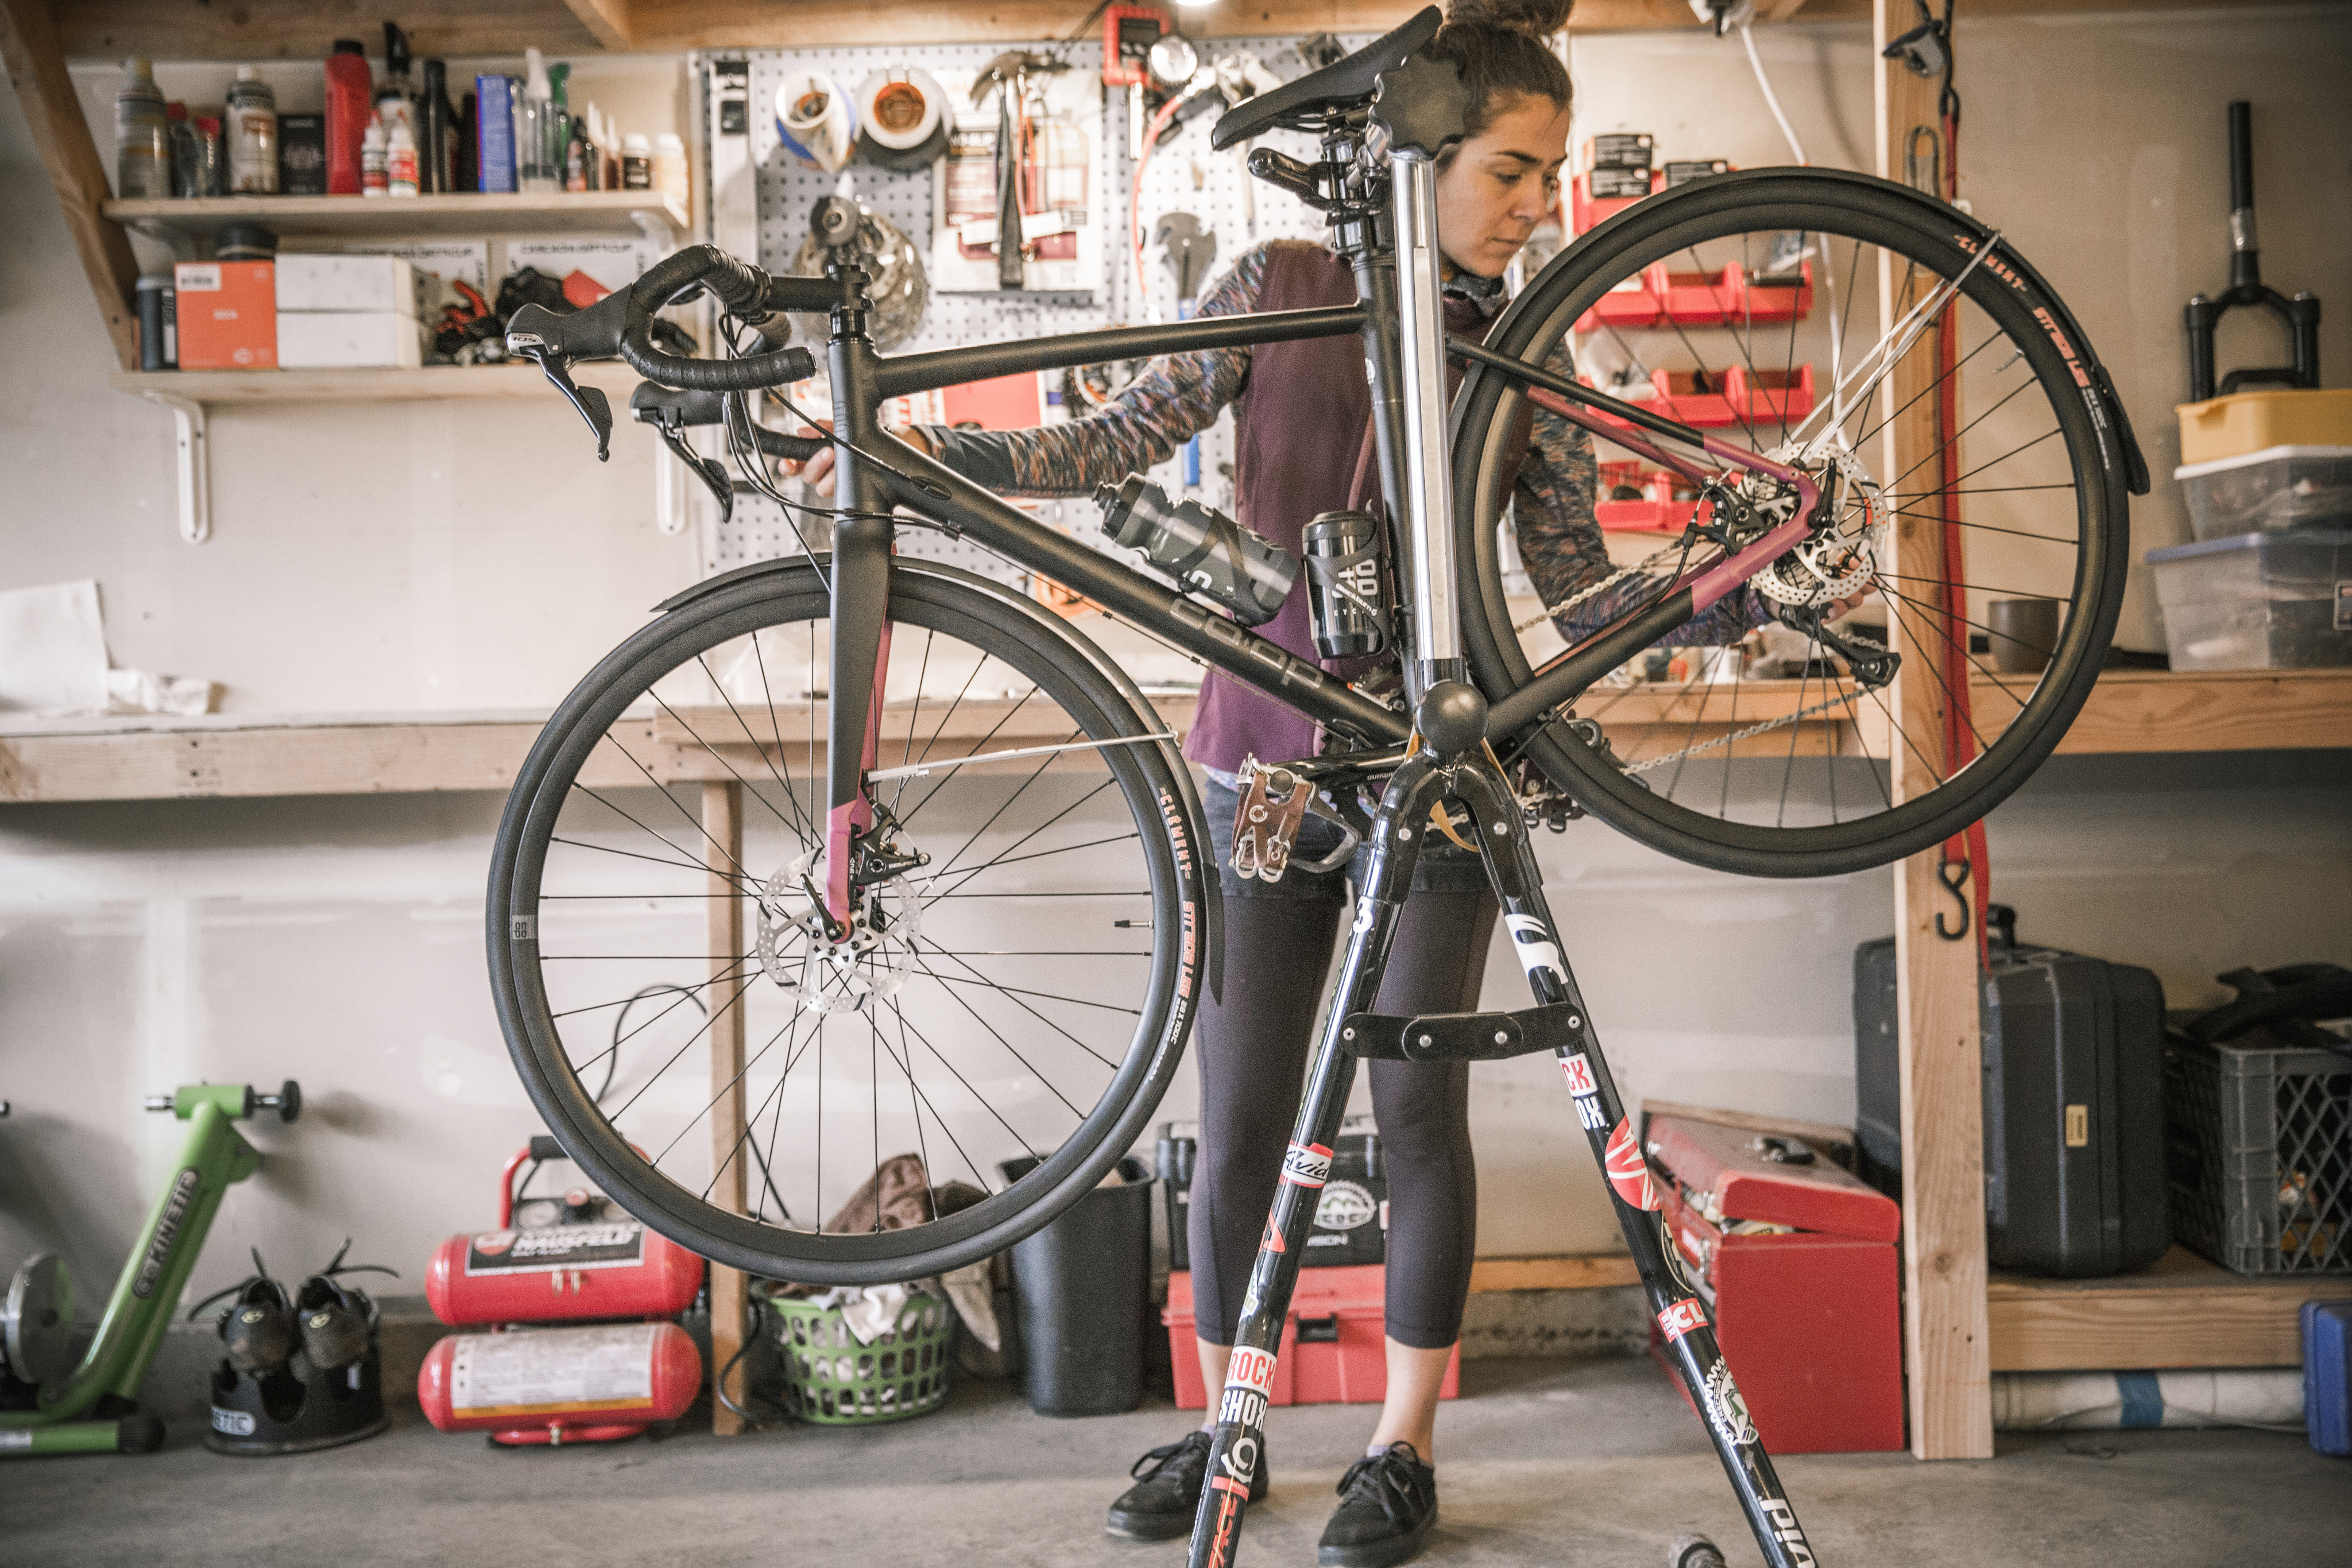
1351	1215
2074	1107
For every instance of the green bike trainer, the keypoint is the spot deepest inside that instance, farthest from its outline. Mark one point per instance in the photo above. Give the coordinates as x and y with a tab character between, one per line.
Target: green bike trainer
37	1322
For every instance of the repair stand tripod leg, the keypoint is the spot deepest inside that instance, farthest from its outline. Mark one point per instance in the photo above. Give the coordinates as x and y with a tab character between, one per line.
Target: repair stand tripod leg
1560	1022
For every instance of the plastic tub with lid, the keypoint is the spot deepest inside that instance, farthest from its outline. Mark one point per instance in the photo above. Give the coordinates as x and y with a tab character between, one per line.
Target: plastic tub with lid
2258	601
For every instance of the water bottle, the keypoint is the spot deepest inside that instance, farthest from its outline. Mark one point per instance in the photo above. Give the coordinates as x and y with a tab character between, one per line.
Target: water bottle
1207	551
1344	602
142	135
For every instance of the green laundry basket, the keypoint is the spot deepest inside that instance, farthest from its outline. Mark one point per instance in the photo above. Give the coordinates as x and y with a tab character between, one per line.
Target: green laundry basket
832	1380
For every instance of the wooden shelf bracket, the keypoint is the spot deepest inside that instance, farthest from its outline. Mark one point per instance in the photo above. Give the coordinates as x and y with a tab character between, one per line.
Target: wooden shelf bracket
195	463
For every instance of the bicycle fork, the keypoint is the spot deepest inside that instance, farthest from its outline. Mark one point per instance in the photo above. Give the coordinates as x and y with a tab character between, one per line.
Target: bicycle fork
1422	784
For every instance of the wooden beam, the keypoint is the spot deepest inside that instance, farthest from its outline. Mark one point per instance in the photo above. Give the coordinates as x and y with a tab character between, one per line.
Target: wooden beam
722	827
1592	1271
1944	1338
2182	1311
2222	710
608	20
306	30
37	69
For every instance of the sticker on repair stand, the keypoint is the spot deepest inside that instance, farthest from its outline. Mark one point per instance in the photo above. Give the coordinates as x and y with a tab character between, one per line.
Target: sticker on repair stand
1306	1164
1629	1173
1682	1317
1579	1076
1538	952
1250	1368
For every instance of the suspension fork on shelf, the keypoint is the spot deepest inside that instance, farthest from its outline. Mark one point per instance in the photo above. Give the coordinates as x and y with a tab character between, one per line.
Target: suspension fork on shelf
1427	780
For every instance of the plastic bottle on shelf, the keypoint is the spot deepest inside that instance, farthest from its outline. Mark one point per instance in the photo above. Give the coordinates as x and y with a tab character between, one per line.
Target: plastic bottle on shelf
437	129
211	162
142	135
636	163
374	179
350	98
396	95
252	123
669	169
400	174
538	163
581	163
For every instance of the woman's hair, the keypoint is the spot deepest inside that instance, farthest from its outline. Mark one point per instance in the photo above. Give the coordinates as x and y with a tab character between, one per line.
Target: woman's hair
1504	49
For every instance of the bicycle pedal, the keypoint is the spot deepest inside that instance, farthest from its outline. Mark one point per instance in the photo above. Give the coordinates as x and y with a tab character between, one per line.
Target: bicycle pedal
1266	829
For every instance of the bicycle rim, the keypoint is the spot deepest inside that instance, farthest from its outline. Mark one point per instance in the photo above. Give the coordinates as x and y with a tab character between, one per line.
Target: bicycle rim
1020	995
1750	305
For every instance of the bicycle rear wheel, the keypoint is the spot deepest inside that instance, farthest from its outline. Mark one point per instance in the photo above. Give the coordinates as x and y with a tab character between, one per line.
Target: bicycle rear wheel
1017	984
1765	305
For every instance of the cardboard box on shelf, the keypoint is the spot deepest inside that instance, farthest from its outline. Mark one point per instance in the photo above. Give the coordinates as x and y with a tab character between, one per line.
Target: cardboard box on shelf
229	315
327	282
349	340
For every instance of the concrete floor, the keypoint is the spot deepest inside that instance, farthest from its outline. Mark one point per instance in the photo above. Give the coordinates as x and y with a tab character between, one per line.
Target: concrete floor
1594	1462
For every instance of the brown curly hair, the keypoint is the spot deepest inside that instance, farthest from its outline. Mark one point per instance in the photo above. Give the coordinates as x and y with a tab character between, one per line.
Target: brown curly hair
1504	49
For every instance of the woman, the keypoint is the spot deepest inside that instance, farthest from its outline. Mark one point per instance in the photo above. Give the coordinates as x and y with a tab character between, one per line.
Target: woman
1303	446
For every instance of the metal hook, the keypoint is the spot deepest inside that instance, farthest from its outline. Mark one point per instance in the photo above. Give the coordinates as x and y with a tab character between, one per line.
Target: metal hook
1954	875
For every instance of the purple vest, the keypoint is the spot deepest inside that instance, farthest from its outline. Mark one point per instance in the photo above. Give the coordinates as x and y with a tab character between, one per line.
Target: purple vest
1302	445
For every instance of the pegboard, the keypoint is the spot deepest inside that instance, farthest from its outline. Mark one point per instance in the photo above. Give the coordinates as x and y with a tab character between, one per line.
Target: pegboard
1181	175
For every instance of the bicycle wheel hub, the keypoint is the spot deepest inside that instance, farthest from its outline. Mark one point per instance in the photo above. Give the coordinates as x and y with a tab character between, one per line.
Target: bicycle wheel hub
1838	560
822	969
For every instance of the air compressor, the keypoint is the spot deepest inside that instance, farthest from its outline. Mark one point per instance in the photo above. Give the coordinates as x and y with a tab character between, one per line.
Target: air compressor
575	1262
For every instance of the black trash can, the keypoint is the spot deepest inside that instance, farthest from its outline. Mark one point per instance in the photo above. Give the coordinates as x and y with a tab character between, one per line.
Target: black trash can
1084	1289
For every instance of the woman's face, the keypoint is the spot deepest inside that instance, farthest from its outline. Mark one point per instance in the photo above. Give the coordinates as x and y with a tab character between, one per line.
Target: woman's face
1500	184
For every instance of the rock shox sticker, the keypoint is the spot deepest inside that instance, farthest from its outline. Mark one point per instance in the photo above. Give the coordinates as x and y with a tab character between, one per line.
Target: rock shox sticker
1579	1073
1306	1164
1629	1173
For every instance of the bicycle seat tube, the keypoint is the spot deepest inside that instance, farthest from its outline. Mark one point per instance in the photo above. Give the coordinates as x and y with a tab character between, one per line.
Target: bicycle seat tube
1428	504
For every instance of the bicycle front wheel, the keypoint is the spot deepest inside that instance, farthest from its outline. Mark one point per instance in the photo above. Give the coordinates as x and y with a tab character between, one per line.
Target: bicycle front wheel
1893	348
1007	1007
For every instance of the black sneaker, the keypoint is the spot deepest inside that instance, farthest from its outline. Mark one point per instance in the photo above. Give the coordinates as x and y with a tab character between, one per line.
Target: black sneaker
1160	1506
1387	1503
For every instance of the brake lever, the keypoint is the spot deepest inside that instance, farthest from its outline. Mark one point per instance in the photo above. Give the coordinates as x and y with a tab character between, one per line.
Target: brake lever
594	406
669	413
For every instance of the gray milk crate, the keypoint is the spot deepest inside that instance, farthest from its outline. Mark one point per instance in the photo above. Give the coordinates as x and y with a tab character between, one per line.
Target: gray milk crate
2258	1154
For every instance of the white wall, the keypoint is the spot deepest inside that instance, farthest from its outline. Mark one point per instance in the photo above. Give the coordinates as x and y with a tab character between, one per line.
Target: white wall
471	557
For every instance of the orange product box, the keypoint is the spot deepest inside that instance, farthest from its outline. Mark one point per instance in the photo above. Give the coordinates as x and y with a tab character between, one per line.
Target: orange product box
229	315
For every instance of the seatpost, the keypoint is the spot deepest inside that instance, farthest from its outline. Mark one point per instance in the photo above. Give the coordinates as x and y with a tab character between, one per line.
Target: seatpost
1429	498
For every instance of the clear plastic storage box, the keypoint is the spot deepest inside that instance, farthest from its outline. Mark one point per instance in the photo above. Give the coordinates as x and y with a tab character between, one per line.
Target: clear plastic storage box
2279	488
2258	601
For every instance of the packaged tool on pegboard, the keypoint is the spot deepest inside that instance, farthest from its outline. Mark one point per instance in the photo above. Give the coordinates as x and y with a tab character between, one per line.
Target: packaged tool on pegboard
1351	1217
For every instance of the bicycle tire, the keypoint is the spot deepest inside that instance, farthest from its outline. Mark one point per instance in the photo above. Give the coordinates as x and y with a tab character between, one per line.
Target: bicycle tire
1100	703
1809	203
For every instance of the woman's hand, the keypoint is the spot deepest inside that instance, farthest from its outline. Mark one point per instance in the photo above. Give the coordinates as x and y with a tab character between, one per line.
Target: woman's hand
817	472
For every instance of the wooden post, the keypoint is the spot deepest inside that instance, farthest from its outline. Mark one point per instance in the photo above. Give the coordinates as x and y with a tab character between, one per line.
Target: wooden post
37	69
722	819
1946	1338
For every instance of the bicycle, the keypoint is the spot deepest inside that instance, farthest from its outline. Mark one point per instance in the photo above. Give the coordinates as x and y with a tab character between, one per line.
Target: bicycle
877	922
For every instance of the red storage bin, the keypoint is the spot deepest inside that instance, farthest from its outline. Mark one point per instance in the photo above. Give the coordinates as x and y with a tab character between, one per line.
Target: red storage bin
1334	1349
1809	1318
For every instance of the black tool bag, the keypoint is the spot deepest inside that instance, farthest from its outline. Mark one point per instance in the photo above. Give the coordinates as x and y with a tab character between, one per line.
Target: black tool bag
2073	1104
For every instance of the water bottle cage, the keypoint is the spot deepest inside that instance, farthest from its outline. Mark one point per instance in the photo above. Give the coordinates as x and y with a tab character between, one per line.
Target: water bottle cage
1221	540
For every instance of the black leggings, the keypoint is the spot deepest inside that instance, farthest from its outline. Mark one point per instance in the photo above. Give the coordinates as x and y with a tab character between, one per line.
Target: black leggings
1253	1048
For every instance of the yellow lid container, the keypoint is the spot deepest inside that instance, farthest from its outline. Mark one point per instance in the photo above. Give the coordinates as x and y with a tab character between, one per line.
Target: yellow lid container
2249	422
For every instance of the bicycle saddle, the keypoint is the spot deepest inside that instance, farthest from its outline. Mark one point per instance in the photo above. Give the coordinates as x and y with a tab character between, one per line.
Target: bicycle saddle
1345	84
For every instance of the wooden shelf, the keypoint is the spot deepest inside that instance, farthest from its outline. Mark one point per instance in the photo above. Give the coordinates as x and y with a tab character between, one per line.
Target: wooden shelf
225	758
410	218
2180	1312
2220	710
237	388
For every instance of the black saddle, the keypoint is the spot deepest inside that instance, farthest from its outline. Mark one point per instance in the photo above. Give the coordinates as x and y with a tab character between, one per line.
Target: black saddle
1343	86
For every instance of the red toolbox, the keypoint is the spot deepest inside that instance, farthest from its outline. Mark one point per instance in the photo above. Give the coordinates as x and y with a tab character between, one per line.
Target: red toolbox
1796	1260
1334	1347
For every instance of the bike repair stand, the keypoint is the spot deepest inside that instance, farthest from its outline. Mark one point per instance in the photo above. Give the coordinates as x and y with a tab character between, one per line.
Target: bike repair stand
39	1321
1422	107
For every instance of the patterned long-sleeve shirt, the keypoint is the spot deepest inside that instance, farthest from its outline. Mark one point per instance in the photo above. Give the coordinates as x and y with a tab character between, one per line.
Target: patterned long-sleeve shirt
1177	396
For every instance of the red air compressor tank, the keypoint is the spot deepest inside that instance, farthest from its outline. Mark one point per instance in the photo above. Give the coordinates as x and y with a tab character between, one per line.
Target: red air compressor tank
611	1268
561	1385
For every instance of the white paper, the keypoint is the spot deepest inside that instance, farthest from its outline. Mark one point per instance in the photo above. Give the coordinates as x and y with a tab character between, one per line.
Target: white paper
52	649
